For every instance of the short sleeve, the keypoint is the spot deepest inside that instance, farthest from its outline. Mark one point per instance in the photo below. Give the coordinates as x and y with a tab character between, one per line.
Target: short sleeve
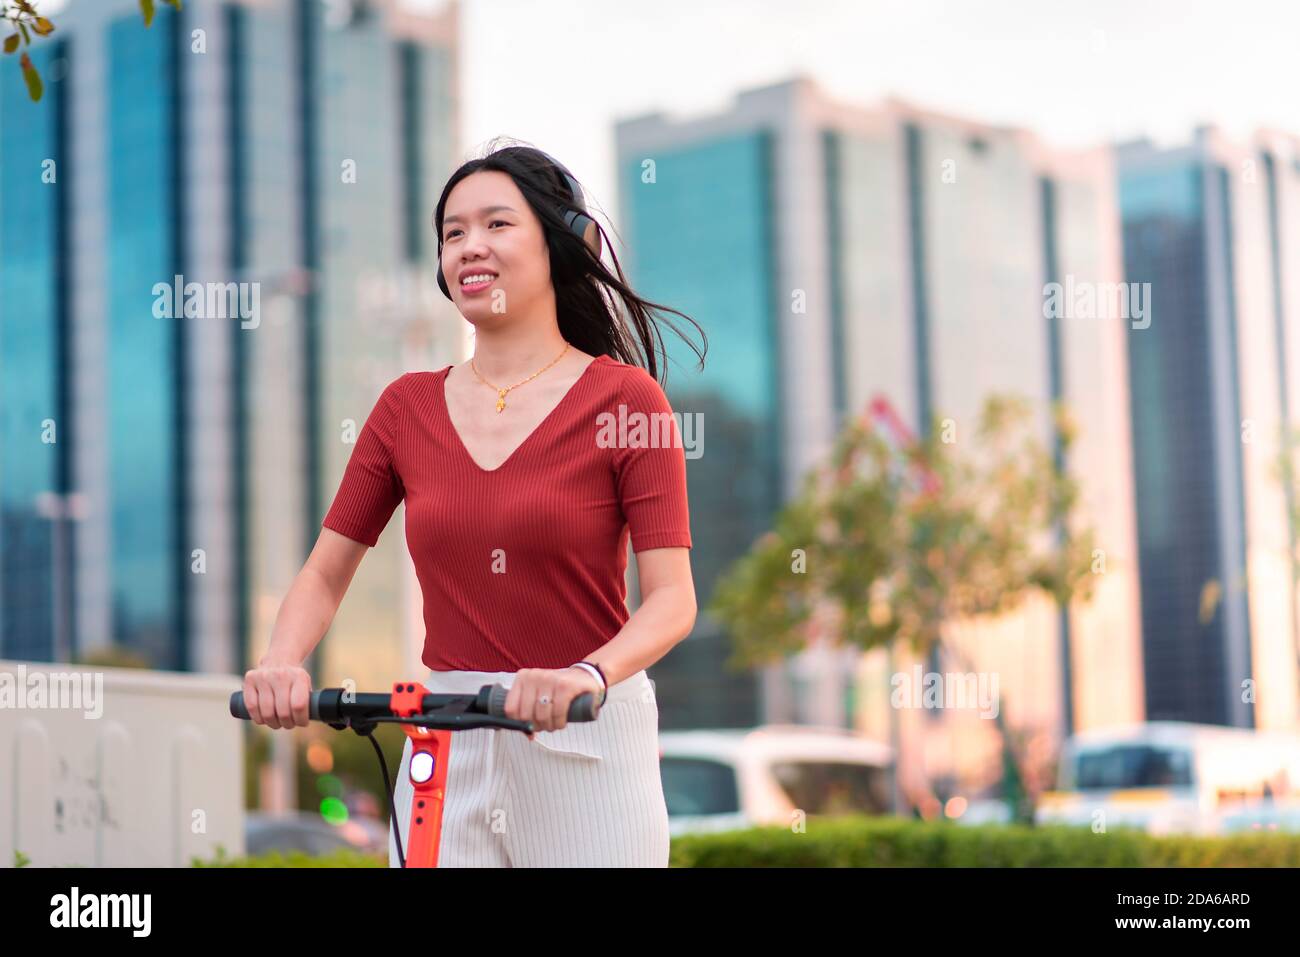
371	486
650	466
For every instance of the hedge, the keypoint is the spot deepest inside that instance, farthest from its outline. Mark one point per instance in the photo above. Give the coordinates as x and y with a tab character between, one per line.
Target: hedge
341	857
896	842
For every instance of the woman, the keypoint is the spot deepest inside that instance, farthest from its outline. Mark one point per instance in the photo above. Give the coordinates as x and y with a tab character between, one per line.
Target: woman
519	509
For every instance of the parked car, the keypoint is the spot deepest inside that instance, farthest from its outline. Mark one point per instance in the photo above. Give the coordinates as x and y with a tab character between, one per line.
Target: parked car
1170	777
717	780
311	834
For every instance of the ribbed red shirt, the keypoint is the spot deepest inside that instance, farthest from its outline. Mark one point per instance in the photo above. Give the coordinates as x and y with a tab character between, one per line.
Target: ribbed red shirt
522	566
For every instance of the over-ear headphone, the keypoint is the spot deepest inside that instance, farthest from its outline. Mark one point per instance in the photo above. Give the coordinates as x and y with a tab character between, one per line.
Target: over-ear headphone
578	222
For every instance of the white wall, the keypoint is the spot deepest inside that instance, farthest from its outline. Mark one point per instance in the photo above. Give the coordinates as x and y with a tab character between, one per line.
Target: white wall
155	779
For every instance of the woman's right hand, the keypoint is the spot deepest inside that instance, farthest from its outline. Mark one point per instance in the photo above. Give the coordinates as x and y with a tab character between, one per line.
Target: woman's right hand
277	695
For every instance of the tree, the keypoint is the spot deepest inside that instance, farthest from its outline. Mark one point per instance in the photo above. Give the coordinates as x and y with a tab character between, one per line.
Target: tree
890	540
24	21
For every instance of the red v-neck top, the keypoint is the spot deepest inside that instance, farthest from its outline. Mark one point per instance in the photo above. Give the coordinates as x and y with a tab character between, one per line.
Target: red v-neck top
522	566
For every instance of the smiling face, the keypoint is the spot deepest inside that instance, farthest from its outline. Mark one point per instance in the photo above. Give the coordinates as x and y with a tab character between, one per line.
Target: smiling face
490	230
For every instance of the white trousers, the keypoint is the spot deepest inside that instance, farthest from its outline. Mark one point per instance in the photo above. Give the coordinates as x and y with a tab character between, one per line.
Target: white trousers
588	795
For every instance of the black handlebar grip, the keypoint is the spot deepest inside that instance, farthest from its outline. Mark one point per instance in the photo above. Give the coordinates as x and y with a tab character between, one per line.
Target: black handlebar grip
497	700
581	708
239	710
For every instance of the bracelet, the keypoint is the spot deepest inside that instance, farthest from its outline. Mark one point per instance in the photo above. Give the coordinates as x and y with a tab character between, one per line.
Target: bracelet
594	669
599	670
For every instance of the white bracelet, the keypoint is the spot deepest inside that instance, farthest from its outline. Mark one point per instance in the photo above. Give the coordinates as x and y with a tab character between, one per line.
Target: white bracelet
594	673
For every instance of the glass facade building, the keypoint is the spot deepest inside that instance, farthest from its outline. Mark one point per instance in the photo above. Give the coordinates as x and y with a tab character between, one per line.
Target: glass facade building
947	238
35	446
383	149
711	255
281	157
906	257
145	401
1211	383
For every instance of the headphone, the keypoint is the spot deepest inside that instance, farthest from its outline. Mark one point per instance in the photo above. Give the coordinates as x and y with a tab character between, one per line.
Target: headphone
577	220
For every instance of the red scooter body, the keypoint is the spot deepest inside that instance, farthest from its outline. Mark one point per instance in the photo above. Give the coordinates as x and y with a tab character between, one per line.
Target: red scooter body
428	777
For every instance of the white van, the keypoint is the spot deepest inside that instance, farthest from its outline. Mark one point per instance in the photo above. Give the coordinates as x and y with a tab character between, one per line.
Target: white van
727	779
1172	777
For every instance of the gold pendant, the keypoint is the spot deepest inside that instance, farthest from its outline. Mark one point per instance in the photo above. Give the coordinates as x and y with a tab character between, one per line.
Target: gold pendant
501	399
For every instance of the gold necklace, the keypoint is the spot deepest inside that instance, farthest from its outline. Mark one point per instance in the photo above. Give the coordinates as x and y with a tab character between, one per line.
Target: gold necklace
501	393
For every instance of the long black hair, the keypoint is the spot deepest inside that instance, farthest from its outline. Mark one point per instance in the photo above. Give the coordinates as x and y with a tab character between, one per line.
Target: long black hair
587	295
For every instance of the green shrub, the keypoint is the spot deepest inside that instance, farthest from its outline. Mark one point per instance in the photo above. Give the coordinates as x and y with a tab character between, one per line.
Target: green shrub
343	857
894	842
898	842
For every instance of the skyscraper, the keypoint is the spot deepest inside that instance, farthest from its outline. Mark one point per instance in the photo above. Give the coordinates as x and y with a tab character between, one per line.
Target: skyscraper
34	321
1212	227
228	266
835	253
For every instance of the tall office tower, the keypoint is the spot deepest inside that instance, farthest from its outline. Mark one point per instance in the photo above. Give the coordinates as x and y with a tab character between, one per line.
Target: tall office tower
216	244
35	484
1212	226
835	254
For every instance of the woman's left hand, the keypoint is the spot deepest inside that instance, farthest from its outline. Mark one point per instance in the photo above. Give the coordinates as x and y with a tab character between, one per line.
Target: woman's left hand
542	695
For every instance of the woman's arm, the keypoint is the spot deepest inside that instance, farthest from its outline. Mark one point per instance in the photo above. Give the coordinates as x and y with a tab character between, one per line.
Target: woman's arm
277	691
665	616
314	598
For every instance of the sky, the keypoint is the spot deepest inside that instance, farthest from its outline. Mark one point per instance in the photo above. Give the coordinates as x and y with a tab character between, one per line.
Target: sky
559	73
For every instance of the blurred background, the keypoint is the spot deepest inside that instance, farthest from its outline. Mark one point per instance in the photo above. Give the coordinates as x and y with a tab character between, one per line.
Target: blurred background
859	202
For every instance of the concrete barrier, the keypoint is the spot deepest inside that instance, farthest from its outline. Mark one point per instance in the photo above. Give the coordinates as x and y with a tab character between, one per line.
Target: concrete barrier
117	767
